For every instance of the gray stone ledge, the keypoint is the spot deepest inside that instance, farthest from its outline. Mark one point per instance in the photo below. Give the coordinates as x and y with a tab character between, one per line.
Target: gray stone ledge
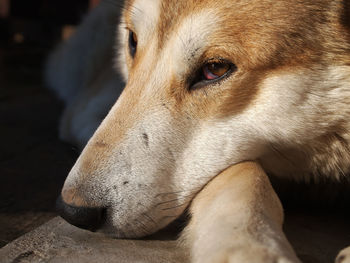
316	238
58	242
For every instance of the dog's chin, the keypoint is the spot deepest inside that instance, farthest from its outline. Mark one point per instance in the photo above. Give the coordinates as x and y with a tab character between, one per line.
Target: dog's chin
140	229
115	233
127	232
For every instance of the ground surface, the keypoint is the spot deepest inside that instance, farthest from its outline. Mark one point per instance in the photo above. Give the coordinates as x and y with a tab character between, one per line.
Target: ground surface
34	164
316	239
59	242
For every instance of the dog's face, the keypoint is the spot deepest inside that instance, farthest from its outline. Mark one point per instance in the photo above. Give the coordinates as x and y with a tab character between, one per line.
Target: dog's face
209	84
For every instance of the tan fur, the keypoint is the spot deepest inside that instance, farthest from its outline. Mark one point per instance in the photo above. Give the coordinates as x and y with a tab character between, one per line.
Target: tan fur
285	106
238	218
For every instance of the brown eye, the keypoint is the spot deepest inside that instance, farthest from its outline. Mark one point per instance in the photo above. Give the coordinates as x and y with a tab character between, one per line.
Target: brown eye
215	70
211	72
132	43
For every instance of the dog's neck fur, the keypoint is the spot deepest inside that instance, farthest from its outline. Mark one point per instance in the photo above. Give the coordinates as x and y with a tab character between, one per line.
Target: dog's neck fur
328	156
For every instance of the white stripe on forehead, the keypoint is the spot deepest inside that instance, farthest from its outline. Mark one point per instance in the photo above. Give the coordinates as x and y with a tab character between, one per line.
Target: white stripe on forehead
184	46
190	39
145	16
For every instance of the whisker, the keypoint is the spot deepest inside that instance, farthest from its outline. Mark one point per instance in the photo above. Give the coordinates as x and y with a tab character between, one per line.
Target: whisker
177	192
144	228
169	208
173	200
149	218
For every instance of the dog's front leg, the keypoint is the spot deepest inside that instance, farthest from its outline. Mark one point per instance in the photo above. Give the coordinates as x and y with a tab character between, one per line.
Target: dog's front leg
238	218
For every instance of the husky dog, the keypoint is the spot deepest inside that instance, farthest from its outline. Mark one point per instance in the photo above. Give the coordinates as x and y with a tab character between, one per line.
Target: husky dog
217	94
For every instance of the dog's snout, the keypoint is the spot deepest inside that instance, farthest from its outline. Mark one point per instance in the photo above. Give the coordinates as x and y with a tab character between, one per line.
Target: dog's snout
90	218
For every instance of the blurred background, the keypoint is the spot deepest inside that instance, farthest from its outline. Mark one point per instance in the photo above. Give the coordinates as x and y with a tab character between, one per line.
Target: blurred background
33	161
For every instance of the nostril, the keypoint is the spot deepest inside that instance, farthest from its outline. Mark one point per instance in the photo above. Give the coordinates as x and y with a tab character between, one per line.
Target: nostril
90	218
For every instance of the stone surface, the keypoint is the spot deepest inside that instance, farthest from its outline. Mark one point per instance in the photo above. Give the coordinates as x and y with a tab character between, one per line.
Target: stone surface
316	239
57	241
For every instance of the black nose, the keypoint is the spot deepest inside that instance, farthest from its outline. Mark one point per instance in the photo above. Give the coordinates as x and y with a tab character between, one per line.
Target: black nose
84	217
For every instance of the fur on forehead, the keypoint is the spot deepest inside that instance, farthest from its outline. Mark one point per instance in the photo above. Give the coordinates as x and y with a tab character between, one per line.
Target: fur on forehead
254	36
142	15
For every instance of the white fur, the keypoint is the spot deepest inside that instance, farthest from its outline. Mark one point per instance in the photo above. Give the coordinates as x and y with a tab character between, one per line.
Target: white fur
144	16
186	44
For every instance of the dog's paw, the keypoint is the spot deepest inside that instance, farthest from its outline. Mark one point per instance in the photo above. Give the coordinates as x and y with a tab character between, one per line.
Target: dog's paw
343	256
253	255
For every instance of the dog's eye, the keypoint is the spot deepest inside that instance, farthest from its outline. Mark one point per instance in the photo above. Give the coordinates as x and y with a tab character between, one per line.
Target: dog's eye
215	70
132	43
211	72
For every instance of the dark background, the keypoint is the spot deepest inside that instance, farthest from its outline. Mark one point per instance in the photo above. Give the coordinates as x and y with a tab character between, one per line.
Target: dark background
33	162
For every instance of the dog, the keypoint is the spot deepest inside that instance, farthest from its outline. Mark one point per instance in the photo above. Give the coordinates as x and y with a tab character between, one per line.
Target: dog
218	94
